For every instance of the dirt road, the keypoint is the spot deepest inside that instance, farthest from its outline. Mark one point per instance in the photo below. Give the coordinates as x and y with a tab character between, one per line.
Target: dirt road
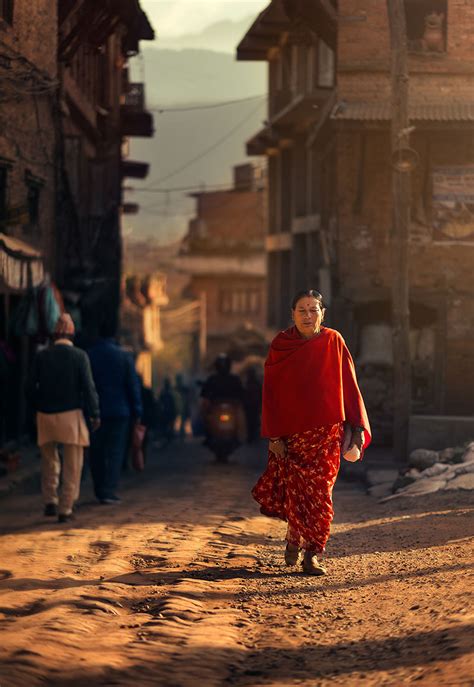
183	584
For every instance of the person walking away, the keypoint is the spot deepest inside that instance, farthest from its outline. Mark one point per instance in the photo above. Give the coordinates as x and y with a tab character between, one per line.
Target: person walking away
184	396
312	411
168	411
118	386
61	389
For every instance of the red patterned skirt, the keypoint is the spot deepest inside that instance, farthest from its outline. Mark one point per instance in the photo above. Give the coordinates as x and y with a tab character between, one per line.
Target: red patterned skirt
298	488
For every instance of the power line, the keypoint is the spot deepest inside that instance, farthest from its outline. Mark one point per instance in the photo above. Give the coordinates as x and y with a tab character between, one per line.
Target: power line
210	149
202	188
211	106
176	189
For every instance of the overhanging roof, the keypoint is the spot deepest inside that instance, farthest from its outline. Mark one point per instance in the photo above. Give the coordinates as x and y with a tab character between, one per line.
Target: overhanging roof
382	111
264	32
134	169
317	16
136	123
21	265
263	140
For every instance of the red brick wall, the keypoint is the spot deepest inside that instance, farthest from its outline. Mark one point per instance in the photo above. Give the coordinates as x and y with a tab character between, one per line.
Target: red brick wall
233	215
364	44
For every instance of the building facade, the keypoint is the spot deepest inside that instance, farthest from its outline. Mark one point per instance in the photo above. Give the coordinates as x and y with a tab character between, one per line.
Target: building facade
100	109
351	263
224	254
28	140
300	153
66	107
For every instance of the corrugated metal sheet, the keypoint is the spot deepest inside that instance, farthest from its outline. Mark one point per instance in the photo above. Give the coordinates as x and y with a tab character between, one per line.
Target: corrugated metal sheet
436	112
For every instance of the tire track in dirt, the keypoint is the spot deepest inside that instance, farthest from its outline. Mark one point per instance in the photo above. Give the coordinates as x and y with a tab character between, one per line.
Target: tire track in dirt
127	597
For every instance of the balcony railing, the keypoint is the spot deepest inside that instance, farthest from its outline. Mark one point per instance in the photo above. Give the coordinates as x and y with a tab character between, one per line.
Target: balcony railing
135	97
136	121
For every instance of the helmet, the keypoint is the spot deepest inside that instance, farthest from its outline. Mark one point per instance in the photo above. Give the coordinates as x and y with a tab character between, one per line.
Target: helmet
222	363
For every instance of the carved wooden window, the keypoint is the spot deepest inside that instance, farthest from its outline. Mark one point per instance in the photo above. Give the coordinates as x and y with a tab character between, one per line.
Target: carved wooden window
240	301
426	25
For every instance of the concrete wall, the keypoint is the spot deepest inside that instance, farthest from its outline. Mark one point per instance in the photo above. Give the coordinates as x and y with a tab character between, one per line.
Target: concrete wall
438	432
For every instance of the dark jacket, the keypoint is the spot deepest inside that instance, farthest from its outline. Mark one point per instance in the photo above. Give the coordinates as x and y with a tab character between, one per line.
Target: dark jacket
223	387
116	380
61	380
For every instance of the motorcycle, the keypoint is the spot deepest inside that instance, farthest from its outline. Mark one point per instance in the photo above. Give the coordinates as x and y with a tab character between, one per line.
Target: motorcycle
223	430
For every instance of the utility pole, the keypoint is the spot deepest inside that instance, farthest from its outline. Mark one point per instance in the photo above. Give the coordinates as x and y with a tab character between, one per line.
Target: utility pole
402	163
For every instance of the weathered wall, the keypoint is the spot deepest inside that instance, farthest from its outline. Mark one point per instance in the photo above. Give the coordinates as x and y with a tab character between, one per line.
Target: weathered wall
441	282
364	45
219	322
233	215
440	272
27	119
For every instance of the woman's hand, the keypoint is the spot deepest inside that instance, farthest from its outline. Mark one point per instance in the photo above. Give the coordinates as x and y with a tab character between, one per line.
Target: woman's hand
357	438
346	440
278	447
352	437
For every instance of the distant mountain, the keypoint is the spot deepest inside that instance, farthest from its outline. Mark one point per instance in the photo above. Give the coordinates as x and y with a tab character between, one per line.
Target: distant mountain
199	76
223	36
184	78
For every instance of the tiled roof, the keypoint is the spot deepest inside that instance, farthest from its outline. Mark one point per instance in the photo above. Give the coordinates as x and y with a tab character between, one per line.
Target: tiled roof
381	111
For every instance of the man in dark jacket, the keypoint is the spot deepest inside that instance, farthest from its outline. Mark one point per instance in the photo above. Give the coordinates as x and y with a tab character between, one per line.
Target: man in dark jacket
118	386
61	389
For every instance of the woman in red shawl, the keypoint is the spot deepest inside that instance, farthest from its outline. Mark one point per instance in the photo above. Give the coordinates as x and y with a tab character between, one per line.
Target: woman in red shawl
312	409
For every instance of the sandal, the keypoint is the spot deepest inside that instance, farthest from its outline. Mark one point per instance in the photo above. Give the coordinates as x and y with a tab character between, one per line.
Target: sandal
311	565
292	555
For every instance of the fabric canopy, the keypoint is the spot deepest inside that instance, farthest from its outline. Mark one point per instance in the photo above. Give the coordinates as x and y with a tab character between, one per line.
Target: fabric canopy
21	265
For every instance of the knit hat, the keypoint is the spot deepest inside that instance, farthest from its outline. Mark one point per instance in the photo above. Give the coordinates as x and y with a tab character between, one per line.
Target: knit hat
64	325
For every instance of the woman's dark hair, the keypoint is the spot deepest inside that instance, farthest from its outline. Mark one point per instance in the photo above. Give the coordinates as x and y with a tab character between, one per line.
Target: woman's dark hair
307	293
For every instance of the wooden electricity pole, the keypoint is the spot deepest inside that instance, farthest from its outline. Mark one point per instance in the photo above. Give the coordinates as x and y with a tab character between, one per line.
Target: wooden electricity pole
400	134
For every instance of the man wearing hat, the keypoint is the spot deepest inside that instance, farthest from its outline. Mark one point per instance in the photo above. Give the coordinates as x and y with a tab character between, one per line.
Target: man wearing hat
63	390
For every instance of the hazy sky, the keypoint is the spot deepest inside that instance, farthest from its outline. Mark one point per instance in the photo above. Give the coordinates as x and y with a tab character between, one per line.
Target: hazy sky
191	16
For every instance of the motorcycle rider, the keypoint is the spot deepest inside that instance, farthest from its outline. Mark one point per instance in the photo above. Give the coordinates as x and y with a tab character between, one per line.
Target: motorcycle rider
223	386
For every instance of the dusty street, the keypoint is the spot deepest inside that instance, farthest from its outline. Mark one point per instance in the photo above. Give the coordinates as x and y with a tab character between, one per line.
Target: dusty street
183	584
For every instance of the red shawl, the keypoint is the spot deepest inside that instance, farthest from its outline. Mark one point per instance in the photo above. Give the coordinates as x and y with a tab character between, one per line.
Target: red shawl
309	383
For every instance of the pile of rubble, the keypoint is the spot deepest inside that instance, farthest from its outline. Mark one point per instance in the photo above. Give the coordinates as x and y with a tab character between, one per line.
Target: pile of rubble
427	472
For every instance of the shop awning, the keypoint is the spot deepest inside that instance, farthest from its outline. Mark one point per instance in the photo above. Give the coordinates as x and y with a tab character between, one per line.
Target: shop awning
21	265
382	111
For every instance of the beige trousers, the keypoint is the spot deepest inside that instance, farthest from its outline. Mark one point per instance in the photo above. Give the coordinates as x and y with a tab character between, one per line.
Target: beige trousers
73	457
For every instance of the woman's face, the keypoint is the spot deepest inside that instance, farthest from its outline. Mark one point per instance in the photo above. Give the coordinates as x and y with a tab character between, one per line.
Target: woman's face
308	316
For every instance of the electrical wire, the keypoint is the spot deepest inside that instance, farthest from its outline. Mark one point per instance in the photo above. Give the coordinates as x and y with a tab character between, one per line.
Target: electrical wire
213	147
211	106
202	188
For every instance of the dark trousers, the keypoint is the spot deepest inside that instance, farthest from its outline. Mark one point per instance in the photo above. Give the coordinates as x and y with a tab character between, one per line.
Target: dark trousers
108	447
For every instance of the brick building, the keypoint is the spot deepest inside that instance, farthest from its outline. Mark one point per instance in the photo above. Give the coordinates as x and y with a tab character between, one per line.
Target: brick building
28	76
224	254
66	107
100	109
350	133
300	153
28	139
